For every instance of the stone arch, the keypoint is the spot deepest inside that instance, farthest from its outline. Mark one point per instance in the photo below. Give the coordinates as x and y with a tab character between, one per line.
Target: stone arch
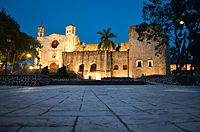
139	63
53	66
93	67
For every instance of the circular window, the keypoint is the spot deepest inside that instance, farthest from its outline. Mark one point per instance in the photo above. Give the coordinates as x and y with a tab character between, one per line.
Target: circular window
54	44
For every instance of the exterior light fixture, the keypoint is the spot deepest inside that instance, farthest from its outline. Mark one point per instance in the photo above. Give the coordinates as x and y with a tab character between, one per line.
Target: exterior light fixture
30	67
181	22
28	55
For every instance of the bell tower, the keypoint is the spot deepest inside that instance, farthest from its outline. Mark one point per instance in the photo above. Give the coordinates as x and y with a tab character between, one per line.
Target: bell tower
41	31
70	30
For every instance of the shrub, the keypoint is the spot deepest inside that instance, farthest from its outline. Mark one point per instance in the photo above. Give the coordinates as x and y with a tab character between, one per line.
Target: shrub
62	72
45	70
72	75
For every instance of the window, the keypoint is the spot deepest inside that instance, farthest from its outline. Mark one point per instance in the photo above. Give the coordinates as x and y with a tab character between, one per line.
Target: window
81	68
139	63
125	67
93	67
150	63
115	67
54	44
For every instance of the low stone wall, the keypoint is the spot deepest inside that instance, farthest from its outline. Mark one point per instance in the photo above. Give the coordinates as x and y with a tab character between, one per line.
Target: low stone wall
23	80
97	82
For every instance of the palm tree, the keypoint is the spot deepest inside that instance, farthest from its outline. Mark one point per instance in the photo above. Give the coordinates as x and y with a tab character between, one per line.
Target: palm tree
106	44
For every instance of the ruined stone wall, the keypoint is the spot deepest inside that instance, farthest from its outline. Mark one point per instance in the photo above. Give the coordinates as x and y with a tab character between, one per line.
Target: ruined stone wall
74	59
124	46
120	58
145	52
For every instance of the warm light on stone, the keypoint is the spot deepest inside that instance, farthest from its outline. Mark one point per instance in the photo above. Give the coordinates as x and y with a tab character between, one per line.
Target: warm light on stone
133	58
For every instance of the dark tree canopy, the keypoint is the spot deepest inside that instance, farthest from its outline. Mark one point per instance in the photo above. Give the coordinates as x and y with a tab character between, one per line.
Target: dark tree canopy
180	21
14	42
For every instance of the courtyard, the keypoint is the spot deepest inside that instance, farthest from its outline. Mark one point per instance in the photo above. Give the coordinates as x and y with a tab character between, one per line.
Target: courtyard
105	108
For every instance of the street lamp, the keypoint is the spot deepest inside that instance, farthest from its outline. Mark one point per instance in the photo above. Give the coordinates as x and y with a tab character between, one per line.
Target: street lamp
82	58
181	22
128	61
28	56
31	67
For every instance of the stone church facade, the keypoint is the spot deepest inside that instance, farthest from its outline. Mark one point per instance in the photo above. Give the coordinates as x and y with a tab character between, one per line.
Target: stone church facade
130	59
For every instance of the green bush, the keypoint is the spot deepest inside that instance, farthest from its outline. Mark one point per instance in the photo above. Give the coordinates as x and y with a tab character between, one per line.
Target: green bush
71	75
45	70
187	80
62	72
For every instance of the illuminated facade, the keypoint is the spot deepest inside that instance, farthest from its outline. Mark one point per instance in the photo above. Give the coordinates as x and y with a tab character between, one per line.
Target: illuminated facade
130	59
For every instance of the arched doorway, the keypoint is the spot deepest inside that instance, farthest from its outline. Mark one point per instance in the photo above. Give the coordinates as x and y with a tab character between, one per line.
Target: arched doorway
53	66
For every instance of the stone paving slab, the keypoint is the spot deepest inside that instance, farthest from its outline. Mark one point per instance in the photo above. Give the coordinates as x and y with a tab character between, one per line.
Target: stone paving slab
105	108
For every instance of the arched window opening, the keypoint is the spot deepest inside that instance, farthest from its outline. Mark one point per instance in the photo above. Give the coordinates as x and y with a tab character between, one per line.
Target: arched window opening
115	67
93	67
54	44
81	68
150	63
139	63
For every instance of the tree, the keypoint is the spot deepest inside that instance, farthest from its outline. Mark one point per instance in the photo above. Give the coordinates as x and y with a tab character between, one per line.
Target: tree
45	70
106	44
20	43
179	21
62	72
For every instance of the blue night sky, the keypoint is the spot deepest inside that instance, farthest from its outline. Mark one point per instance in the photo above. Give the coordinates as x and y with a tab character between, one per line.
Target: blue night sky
89	16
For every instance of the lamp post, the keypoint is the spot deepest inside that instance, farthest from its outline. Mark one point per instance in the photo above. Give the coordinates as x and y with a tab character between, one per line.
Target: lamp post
82	59
128	62
38	64
28	56
8	40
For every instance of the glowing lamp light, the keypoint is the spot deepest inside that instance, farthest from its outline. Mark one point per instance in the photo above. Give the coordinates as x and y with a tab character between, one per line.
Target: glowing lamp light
28	55
30	67
181	22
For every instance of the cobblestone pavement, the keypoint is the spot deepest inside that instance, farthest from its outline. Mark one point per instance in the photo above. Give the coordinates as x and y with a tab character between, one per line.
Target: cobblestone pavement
130	108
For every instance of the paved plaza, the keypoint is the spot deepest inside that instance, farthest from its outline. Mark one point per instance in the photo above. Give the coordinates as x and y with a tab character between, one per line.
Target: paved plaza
109	108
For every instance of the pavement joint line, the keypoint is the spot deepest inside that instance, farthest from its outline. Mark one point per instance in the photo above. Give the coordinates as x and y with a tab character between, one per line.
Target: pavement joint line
133	106
174	124
117	116
145	101
53	107
77	117
137	108
19	128
30	105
